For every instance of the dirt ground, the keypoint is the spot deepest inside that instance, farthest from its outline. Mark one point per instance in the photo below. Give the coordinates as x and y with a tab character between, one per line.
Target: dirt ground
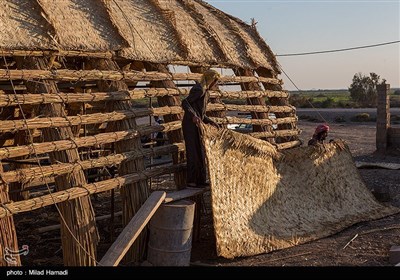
371	240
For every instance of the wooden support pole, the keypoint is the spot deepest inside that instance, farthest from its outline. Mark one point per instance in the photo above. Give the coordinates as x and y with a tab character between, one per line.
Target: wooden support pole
8	235
383	118
78	233
20	138
135	194
132	230
255	121
175	136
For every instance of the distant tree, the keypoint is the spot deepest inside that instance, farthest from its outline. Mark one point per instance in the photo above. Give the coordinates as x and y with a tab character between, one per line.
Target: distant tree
397	92
363	89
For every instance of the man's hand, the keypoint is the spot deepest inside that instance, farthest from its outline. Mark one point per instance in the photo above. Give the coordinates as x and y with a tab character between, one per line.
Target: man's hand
196	120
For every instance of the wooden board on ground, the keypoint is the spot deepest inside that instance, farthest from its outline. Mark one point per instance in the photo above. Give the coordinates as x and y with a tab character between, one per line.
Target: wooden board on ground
385	165
125	240
185	193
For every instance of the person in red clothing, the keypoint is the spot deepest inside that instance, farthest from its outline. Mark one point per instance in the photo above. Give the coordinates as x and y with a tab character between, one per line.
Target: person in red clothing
320	134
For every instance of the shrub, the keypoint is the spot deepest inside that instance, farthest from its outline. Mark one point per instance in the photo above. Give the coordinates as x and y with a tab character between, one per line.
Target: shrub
300	101
363	117
328	103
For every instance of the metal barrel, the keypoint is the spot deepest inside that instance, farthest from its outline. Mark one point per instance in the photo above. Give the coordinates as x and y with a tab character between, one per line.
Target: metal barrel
170	240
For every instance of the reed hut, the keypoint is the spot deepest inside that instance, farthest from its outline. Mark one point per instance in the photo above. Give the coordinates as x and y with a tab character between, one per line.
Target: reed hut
72	74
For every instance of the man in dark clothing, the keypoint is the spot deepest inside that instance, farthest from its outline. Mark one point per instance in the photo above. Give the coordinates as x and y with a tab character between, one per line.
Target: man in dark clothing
320	134
195	112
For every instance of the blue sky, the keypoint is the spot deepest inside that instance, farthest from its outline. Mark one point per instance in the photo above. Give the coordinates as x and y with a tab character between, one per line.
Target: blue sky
305	26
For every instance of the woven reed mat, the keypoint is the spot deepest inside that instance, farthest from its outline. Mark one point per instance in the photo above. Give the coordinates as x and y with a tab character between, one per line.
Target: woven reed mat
264	199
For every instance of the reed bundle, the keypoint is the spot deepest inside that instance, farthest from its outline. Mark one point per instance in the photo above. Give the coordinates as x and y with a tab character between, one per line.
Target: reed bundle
71	194
134	194
275	133
229	119
250	108
8	234
67	98
96	140
96	118
34	173
133	76
78	232
71	53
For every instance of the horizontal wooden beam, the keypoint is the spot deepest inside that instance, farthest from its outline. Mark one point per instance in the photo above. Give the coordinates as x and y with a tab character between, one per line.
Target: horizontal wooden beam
250	108
287	145
45	98
135	76
57	53
38	172
12	208
249	94
236	120
98	139
185	193
96	118
275	133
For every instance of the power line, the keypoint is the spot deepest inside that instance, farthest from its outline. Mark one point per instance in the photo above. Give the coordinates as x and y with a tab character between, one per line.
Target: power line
280	66
339	50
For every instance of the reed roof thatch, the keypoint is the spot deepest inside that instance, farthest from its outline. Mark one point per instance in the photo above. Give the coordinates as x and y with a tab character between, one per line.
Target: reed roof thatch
173	31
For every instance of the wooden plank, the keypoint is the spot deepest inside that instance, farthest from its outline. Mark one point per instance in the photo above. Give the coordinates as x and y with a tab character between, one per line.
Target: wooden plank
185	193
384	165
125	240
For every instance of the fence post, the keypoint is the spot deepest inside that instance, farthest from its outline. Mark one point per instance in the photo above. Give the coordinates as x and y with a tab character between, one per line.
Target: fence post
383	117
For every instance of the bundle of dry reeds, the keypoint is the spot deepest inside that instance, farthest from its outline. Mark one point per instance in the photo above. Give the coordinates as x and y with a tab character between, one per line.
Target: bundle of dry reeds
264	199
78	231
8	236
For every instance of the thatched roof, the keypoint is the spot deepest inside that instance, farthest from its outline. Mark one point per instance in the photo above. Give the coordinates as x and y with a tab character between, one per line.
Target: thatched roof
147	30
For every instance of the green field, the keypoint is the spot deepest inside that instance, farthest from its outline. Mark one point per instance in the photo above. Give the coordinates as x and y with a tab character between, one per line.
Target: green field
330	99
302	99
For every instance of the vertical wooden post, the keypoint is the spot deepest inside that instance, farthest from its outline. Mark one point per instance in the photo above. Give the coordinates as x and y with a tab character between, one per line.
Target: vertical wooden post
22	137
8	235
175	136
79	234
132	195
382	118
